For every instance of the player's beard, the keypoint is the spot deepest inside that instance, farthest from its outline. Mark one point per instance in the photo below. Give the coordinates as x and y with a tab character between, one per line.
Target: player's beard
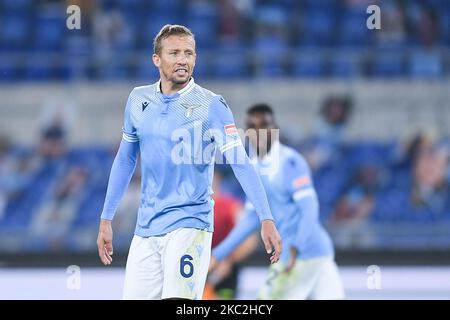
172	78
180	81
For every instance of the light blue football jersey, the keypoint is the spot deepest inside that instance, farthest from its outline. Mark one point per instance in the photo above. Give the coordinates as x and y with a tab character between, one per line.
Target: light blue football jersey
293	201
178	136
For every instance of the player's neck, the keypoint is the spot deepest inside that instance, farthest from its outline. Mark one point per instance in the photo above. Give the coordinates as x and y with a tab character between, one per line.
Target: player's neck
169	88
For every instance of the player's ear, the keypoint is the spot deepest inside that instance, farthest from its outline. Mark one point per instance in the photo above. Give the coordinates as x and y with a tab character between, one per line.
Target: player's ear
156	60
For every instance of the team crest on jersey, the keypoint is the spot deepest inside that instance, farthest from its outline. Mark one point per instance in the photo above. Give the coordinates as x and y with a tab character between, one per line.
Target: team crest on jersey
189	109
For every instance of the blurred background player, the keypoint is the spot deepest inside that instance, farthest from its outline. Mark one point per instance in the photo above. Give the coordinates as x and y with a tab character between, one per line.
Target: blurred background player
329	133
227	211
170	251
307	268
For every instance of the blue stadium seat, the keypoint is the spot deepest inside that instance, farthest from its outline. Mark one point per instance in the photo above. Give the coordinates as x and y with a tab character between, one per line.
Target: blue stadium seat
390	206
14	31
201	14
145	18
89	208
318	28
388	65
146	70
8	69
312	65
77	45
400	178
231	61
426	65
444	25
16	5
154	23
371	153
226	66
325	5
353	31
39	69
345	65
330	182
20	213
204	37
50	29
269	53
272	14
115	70
173	6
138	6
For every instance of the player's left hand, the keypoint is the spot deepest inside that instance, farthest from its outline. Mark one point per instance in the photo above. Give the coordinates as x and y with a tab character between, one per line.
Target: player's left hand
292	260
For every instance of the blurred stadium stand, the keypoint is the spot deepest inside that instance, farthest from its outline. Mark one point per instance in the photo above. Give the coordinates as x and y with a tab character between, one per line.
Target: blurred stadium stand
372	168
280	38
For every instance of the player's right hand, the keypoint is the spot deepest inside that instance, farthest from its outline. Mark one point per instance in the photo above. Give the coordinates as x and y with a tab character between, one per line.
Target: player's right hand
271	239
104	242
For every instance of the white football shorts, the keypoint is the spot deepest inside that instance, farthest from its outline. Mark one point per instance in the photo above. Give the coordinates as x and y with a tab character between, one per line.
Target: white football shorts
315	278
174	265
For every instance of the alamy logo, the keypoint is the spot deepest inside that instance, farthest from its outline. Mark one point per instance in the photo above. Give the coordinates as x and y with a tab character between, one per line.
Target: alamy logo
373	281
374	20
196	146
73	281
73	21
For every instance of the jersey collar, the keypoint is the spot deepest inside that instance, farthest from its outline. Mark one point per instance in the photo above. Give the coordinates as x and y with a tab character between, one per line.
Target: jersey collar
181	92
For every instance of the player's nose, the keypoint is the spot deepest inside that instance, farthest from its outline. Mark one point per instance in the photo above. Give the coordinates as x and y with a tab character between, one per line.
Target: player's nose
182	60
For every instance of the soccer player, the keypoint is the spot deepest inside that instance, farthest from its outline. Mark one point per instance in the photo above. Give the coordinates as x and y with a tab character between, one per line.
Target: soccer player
307	268
176	126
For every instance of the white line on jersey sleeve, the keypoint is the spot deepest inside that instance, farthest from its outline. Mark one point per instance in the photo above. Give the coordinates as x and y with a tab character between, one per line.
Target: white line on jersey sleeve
301	194
129	138
230	145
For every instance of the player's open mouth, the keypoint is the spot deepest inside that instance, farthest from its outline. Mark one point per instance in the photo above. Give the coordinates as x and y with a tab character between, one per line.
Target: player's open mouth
181	72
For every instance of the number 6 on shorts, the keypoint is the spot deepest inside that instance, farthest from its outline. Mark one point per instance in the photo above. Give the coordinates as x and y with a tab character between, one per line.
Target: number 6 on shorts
185	263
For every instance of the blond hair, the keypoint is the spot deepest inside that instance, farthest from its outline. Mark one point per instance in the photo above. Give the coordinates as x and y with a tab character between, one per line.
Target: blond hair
167	31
